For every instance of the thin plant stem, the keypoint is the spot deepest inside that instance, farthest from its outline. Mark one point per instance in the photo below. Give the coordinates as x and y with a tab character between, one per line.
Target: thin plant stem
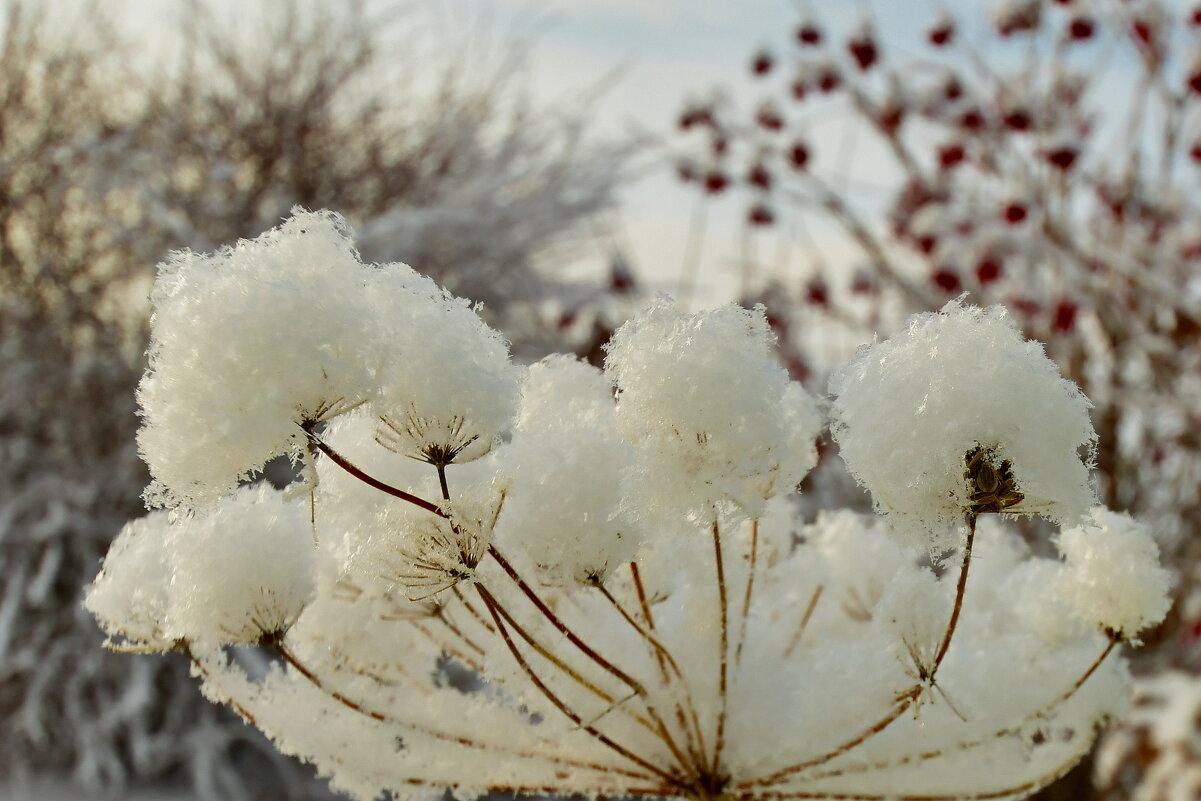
571	715
960	589
723	662
750	588
372	481
458	739
809	609
562	627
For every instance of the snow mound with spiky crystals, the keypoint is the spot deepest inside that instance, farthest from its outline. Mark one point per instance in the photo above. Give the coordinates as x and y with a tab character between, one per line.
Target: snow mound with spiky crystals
243	571
288	330
712	416
1112	578
961	379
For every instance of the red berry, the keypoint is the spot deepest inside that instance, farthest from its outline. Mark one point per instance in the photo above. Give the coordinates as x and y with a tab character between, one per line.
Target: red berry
863	50
953	90
972	120
891	117
809	35
1081	28
759	176
1141	30
769	119
1195	152
947	280
1025	305
1063	157
951	155
1195	18
760	215
927	243
829	80
798	89
715	182
862	284
1194	80
719	145
988	270
1015	213
1018	120
1065	316
817	292
942	34
762	63
798	156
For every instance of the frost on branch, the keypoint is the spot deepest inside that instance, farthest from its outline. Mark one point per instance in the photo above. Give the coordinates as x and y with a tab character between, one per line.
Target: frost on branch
559	580
973	395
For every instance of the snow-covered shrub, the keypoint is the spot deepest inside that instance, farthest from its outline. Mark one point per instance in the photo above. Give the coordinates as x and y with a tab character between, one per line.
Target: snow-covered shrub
621	570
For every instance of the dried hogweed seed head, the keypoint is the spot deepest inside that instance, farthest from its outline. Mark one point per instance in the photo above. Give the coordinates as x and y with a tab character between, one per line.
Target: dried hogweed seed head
967	385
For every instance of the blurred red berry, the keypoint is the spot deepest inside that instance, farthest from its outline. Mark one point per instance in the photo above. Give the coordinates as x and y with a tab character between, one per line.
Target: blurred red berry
1194	79
1063	157
768	118
1015	213
798	156
829	80
862	284
972	120
953	90
1140	29
719	145
863	49
759	176
1027	306
951	155
1081	28
715	182
760	215
817	292
798	89
988	270
1065	316
942	33
1018	120
762	63
809	35
927	243
890	118
685	172
947	280
1195	152
1195	17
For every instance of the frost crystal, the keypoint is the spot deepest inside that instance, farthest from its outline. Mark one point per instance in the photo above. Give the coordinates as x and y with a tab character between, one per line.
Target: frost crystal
564	581
975	398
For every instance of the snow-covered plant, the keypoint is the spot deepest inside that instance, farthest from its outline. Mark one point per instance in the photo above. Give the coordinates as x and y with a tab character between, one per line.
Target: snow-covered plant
557	579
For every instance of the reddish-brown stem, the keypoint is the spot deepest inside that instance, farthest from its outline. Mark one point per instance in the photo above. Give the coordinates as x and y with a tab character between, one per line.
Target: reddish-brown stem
457	739
960	589
664	656
750	588
696	733
800	632
372	481
562	627
723	662
557	702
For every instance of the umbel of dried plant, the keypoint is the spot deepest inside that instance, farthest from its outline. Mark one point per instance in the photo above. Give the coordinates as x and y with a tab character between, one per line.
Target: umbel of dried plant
557	579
